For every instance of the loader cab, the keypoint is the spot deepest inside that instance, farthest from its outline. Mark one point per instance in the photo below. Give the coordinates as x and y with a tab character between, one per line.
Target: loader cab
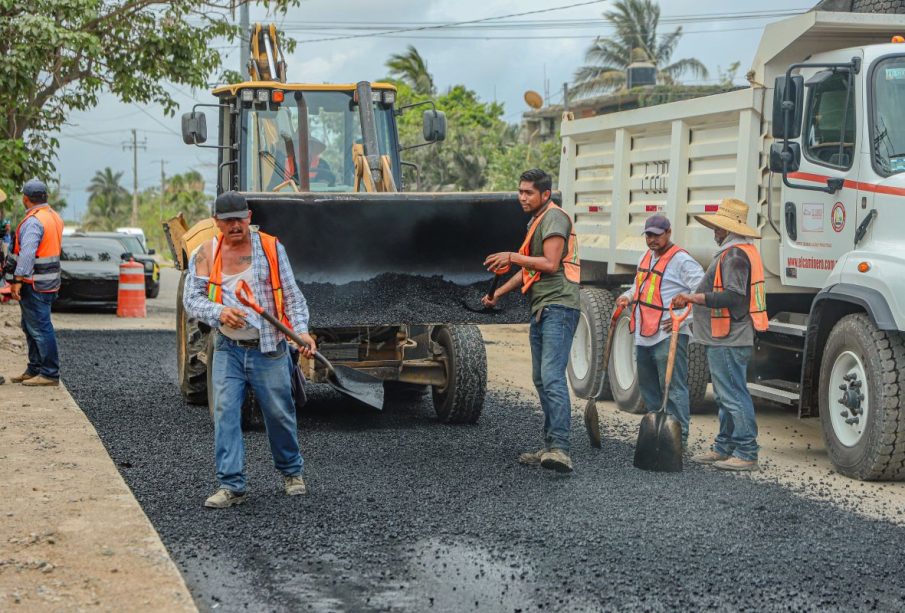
287	137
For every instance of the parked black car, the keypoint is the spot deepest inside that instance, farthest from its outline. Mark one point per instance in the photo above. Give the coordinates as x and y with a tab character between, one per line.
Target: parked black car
133	245
90	272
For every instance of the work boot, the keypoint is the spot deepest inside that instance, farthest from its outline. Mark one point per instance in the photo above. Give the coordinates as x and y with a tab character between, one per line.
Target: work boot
294	485
531	458
224	498
709	457
23	377
41	381
736	464
556	459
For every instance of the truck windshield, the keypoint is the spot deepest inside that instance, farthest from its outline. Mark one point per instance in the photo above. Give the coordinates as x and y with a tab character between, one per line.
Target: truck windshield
269	142
888	129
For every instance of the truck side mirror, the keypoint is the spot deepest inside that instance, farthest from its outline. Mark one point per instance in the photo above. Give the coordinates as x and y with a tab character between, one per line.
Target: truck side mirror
791	155
434	128
194	128
795	104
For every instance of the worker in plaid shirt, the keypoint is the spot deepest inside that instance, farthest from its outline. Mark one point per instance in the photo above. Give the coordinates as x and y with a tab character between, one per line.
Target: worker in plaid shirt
248	350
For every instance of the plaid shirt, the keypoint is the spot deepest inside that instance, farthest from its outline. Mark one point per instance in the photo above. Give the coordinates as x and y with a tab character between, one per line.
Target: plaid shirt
199	306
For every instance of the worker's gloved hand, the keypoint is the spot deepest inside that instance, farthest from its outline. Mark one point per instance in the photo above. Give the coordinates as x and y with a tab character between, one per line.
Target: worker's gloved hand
232	317
666	324
311	348
622	301
489	302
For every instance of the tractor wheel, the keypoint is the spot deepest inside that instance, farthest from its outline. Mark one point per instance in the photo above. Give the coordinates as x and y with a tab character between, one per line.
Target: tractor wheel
461	400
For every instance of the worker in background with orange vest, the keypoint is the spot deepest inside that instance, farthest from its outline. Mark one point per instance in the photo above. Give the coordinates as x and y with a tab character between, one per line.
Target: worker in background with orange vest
248	351
729	305
33	272
550	274
664	272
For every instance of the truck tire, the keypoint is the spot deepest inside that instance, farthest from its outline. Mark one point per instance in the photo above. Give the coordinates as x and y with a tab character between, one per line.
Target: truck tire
621	370
461	400
870	365
252	418
191	342
698	379
586	367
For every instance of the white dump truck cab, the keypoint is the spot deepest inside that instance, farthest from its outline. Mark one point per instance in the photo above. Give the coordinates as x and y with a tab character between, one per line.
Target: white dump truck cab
816	147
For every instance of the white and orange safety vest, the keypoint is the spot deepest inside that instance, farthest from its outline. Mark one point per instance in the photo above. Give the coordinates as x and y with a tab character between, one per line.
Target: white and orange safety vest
45	277
647	298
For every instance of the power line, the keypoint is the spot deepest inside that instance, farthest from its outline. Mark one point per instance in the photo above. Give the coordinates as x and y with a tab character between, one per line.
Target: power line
455	23
157	121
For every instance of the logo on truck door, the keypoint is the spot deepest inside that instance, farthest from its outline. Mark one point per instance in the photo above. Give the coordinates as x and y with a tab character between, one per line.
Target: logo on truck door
837	217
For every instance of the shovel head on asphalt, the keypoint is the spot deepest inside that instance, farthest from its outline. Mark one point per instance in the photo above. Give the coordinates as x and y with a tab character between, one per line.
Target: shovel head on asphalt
592	422
659	446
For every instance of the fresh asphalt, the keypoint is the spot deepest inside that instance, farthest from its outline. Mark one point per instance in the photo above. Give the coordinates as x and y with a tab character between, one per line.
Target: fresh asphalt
406	514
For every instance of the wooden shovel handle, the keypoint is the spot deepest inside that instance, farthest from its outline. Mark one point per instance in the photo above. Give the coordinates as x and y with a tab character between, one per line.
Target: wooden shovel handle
608	347
673	344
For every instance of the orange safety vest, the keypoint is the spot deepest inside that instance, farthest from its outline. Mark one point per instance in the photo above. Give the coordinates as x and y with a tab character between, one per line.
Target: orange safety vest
269	244
570	264
647	292
45	276
720	319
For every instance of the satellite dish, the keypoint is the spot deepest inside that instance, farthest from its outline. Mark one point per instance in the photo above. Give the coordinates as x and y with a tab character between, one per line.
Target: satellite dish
533	99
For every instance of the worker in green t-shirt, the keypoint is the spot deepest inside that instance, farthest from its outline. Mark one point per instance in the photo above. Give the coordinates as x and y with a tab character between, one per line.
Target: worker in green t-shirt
550	276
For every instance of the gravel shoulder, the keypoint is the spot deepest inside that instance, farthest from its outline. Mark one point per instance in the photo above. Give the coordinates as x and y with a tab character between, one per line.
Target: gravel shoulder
72	535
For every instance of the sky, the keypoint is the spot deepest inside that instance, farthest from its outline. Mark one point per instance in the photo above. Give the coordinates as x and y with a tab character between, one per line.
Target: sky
499	63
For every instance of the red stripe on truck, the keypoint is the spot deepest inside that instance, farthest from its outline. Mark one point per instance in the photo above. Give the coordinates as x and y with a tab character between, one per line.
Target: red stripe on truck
849	184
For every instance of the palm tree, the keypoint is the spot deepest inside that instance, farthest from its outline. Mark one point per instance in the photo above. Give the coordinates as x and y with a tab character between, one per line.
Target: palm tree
410	68
107	201
635	39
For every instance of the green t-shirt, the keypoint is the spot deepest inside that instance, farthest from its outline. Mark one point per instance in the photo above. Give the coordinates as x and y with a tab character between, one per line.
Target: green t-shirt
552	288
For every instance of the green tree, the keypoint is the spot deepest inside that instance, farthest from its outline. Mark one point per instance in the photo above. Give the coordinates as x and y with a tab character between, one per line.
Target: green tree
184	193
411	69
55	198
108	202
59	56
635	39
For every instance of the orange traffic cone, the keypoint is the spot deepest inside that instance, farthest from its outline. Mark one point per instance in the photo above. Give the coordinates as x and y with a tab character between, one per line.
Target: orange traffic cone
131	298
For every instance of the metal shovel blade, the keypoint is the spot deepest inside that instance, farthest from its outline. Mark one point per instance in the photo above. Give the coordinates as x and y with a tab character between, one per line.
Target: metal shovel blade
659	446
592	422
357	384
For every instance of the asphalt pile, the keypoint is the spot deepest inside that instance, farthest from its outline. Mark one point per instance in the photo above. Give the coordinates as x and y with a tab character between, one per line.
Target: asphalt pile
408	299
406	514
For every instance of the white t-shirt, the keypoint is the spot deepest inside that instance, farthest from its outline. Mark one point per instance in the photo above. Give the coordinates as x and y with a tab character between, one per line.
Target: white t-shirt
683	274
252	329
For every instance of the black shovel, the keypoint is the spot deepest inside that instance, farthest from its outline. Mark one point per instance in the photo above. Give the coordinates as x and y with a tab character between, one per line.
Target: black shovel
591	417
354	383
659	446
494	284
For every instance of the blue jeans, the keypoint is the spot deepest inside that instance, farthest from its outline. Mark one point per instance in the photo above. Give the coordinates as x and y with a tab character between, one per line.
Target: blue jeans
234	369
551	342
738	428
43	356
651	363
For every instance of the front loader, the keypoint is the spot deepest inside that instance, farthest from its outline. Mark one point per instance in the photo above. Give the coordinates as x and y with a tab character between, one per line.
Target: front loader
393	279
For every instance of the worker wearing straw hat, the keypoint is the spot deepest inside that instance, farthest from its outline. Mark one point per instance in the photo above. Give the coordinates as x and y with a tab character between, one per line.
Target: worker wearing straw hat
729	305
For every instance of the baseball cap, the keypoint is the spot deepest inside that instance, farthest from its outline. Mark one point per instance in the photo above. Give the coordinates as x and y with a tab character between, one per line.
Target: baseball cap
34	188
657	224
230	205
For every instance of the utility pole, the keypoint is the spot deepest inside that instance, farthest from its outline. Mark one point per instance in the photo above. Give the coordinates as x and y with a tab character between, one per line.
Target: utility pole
244	49
565	97
135	146
163	187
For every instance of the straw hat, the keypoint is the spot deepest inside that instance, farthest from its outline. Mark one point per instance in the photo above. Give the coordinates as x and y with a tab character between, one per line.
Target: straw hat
731	216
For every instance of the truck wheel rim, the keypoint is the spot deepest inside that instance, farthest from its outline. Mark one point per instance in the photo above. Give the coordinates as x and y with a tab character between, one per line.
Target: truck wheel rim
848	402
580	355
623	356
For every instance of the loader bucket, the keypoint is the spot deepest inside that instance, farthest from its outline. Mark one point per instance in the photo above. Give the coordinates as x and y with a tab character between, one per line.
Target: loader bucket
395	258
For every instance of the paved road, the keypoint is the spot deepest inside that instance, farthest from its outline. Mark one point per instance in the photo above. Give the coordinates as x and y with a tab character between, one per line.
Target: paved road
408	515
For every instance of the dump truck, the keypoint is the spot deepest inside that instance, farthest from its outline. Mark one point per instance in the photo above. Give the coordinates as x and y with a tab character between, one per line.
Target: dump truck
393	278
815	148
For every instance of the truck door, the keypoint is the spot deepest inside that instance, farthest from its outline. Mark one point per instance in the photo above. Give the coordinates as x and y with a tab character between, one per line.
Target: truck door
818	227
